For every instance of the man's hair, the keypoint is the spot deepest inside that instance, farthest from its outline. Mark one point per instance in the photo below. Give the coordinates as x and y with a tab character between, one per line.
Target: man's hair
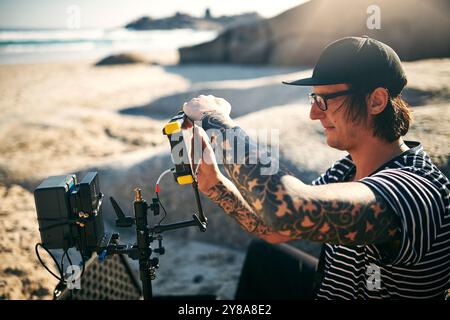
392	123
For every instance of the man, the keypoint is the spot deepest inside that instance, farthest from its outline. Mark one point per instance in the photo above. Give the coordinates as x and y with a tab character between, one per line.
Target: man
382	212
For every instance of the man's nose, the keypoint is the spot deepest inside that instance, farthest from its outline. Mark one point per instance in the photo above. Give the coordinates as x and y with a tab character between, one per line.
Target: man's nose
315	113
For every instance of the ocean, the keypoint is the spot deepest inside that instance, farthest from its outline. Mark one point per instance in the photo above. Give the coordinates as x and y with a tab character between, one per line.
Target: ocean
46	45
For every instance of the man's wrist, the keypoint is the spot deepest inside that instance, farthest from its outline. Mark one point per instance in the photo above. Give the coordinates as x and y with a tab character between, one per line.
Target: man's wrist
206	180
210	189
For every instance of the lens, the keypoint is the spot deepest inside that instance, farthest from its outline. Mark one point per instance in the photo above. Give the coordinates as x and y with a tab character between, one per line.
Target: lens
313	98
321	103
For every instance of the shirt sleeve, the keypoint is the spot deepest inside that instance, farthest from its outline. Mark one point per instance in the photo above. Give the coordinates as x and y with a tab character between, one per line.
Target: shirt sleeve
419	205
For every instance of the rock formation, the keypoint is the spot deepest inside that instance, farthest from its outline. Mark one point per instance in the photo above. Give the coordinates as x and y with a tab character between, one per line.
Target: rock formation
415	29
182	20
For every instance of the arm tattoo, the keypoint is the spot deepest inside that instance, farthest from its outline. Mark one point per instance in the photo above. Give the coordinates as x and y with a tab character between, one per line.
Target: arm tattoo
227	197
349	215
340	213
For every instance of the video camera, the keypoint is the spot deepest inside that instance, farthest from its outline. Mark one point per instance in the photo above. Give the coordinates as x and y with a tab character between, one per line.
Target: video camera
69	215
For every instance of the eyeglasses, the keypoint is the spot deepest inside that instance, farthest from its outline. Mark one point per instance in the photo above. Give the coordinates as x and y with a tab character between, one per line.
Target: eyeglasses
321	99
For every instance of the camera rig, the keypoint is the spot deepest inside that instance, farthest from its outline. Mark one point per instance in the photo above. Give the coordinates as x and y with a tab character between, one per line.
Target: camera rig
69	215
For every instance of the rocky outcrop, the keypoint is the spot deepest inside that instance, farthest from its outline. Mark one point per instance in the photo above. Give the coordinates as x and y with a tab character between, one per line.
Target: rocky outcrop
124	58
181	20
415	29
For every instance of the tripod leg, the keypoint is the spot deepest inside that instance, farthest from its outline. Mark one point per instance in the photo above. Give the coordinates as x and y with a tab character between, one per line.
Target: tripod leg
146	282
143	243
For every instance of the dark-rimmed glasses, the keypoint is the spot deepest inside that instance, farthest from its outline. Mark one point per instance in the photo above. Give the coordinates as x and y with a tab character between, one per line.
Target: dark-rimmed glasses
321	99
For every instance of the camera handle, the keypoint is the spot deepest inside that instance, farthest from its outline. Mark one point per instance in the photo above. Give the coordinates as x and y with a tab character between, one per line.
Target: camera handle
142	251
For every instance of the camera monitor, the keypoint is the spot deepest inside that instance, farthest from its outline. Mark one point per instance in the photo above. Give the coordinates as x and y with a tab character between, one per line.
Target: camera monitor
69	212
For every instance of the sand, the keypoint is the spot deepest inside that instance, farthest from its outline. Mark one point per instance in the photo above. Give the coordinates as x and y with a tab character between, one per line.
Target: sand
59	118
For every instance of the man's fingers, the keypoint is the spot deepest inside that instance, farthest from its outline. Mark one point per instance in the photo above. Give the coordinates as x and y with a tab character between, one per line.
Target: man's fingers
197	146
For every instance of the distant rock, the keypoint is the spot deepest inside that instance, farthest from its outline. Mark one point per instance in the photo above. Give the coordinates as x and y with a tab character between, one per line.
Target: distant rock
124	58
185	21
415	29
234	20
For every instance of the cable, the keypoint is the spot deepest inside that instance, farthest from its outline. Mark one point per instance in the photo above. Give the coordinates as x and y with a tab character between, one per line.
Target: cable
66	253
160	177
157	193
64	221
165	212
68	257
82	272
60	278
62	260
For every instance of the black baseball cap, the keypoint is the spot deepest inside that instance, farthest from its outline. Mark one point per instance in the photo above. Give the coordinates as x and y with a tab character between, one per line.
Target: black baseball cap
357	60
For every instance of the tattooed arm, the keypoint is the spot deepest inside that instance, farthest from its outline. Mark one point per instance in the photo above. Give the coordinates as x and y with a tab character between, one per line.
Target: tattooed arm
339	213
225	194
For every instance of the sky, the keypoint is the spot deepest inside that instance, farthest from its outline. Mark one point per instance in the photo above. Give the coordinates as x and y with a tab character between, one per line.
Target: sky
114	13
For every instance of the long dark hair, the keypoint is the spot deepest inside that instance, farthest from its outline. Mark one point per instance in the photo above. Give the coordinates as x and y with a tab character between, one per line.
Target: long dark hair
392	123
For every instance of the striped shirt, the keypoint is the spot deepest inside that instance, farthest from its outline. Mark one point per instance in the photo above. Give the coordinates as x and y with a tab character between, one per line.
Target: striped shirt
418	192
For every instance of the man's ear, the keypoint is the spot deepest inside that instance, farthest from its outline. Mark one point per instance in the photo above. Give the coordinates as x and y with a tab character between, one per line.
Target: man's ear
377	101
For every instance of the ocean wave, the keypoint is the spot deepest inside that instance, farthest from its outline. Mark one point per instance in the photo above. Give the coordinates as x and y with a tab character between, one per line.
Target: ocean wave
107	41
59	36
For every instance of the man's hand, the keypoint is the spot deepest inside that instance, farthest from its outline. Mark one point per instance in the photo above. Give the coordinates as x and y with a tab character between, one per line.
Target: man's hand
197	108
205	168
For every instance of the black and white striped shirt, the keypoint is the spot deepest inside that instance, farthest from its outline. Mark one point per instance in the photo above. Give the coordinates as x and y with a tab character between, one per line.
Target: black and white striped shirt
419	194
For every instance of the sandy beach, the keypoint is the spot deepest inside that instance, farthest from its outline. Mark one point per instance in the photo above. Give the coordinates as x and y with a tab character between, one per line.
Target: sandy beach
66	117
